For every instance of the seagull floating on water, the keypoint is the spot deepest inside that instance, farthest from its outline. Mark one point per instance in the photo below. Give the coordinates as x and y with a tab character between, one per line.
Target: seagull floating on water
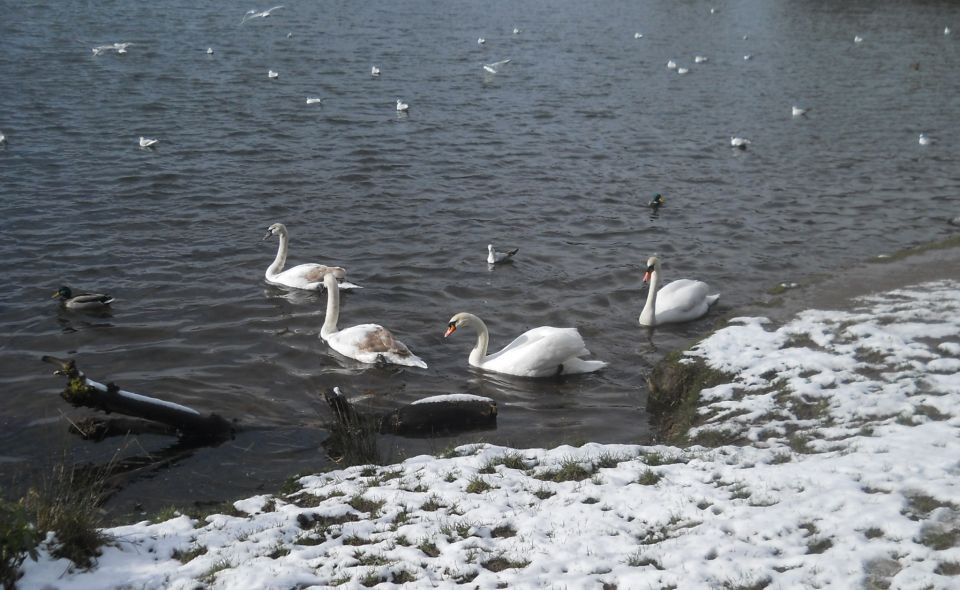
494	256
209	50
683	70
313	100
481	41
374	71
946	30
700	59
924	139
516	30
254	13
118	47
148	142
402	107
272	74
638	35
858	39
495	66
797	111
745	37
671	65
740	142
3	138
747	57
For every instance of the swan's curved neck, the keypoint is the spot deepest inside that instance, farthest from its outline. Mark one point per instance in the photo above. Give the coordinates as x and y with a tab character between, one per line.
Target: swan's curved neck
649	314
281	258
483	341
333	312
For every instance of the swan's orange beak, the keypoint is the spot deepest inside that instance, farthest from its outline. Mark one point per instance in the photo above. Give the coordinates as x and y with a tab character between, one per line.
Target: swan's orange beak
646	277
450	330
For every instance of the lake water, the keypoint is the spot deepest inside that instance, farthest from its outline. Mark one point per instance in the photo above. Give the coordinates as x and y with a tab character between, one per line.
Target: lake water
557	154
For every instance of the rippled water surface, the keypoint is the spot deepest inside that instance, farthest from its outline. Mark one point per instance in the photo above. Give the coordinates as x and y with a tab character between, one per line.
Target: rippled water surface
556	154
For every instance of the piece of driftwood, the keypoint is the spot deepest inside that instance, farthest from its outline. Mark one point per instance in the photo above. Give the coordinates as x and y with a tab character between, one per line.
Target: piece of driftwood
432	415
185	422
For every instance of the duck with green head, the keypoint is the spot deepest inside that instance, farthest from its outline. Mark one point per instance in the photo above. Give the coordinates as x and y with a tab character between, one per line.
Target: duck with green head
88	301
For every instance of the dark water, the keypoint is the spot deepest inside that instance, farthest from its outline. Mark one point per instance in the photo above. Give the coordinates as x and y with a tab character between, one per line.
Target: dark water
557	154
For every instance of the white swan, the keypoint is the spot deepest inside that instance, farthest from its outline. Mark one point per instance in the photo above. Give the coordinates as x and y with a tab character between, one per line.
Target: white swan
367	343
682	300
540	352
303	276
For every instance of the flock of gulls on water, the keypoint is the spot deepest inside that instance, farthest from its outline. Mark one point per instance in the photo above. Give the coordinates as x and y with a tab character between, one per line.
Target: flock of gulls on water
490	68
540	352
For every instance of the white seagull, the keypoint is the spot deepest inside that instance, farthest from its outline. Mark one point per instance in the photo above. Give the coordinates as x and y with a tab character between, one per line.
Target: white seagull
946	30
495	66
254	13
118	47
638	35
402	107
374	71
740	142
148	142
494	256
209	50
924	139
516	30
747	57
481	41
272	74
858	39
3	138
797	111
313	100
671	65
700	59
683	70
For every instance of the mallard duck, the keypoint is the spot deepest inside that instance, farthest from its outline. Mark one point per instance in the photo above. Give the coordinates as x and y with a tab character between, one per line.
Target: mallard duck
82	300
656	201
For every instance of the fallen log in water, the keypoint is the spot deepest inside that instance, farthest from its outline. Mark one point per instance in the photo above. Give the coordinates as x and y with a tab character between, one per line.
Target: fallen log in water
431	415
186	423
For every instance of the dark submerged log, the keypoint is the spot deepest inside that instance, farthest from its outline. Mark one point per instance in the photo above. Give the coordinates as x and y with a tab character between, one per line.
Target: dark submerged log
432	415
185	422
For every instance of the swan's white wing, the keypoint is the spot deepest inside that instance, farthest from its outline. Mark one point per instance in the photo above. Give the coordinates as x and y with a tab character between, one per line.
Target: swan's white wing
683	300
538	352
306	276
372	343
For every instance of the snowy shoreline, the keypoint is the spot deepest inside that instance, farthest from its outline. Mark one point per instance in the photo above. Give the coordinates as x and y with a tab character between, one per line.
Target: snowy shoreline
849	480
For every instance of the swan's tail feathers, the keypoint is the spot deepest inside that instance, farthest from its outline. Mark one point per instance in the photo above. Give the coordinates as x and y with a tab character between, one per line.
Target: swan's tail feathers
573	366
711	299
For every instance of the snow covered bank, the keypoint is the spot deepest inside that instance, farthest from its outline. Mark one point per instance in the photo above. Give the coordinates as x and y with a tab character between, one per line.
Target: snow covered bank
850	480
